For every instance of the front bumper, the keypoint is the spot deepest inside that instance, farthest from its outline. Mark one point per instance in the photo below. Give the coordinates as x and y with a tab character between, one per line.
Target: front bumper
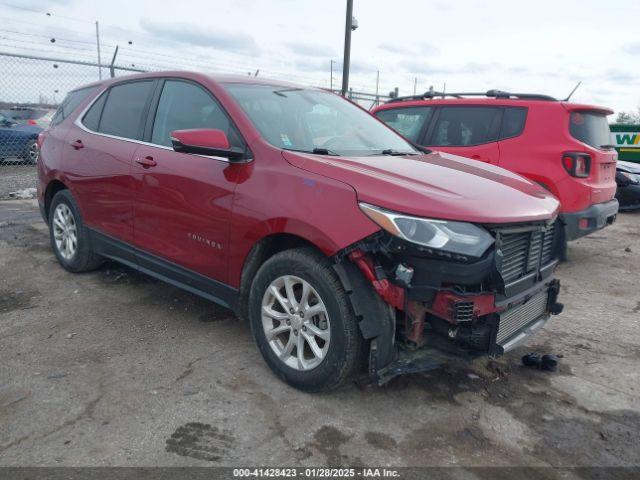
579	224
515	322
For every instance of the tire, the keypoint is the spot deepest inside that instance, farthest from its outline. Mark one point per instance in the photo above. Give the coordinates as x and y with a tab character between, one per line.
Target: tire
64	213
30	154
343	349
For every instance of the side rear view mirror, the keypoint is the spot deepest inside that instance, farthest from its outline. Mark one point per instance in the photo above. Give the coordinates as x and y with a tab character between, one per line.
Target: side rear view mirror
205	141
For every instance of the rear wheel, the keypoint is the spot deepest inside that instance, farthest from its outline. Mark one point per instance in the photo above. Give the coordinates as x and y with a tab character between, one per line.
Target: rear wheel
69	237
302	321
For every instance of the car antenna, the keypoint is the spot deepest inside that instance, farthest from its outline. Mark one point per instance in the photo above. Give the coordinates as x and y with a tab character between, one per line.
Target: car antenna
572	92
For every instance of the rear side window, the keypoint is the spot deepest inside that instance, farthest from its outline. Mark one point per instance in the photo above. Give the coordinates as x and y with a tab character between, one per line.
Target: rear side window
407	121
70	103
513	121
183	106
465	126
122	112
590	128
91	119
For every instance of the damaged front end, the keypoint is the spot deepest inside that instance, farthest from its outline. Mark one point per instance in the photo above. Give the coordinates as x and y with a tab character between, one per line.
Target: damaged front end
420	306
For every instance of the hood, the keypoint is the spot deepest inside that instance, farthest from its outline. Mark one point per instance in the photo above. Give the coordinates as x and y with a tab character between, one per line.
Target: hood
436	185
628	166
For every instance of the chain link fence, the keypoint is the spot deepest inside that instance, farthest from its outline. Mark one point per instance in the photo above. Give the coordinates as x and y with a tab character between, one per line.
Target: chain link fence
31	87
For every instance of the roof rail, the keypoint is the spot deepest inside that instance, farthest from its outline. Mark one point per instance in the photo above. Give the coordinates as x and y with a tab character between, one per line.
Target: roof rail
489	93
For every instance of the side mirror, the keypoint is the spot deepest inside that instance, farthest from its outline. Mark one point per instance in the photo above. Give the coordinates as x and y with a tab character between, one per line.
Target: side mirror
205	141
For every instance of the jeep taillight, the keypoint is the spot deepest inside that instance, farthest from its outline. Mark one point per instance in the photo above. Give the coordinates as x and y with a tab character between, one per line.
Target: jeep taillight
577	164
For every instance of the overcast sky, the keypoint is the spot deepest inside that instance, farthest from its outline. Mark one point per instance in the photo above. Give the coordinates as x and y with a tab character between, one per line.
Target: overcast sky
472	45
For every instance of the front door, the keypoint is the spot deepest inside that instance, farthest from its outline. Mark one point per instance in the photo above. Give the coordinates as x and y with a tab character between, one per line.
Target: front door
183	202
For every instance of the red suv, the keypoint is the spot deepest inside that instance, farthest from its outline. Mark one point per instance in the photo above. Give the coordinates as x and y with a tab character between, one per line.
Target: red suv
565	147
346	248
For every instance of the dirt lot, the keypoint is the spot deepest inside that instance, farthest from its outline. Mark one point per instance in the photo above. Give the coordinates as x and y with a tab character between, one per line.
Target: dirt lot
114	368
16	177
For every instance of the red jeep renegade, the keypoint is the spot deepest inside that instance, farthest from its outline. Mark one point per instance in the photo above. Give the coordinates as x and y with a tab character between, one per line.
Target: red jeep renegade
346	248
565	147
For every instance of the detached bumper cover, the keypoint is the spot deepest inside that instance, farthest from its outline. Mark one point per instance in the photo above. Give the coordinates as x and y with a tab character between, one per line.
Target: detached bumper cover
579	224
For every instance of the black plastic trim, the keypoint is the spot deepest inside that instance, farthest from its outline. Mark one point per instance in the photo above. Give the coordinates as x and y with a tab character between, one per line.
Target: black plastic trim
164	270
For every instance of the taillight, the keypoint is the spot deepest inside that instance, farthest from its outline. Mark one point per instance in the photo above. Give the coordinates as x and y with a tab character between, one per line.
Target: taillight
577	164
32	122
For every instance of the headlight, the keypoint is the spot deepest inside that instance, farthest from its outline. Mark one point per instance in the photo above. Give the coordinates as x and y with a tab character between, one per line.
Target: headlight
454	237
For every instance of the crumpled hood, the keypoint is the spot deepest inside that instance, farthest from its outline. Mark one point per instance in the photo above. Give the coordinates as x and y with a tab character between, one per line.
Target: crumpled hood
436	185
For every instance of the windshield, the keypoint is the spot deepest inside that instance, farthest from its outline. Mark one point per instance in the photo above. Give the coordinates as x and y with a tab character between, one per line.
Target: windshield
307	120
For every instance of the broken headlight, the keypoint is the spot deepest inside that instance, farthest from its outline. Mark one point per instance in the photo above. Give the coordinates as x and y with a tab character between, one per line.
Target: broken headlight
455	237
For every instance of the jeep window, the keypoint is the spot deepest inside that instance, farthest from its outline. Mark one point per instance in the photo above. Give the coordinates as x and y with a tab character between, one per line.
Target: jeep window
307	120
70	103
513	121
590	128
408	121
465	126
122	113
184	105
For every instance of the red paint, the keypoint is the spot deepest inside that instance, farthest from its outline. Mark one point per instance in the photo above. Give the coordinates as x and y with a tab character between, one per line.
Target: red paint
162	204
390	293
537	153
444	302
202	137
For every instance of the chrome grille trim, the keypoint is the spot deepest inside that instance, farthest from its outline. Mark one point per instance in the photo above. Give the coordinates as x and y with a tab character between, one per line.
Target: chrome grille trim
514	320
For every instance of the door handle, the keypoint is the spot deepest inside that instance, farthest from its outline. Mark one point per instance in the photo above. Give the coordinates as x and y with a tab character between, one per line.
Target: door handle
146	162
77	144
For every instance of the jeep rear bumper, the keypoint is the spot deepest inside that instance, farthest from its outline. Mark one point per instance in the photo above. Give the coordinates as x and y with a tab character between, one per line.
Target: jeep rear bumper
579	224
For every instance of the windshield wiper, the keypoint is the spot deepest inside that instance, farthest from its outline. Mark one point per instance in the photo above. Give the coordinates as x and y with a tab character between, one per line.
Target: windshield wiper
395	153
282	90
317	151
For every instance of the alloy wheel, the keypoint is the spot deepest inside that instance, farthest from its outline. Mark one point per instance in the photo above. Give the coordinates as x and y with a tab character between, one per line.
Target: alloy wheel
295	322
65	232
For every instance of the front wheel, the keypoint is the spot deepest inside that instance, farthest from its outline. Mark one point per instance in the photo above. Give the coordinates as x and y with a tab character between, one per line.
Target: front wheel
302	321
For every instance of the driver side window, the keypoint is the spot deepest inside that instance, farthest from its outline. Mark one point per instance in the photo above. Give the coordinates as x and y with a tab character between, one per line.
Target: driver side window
185	106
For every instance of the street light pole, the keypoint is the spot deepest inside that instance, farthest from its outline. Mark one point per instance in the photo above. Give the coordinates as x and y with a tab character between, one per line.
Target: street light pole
347	48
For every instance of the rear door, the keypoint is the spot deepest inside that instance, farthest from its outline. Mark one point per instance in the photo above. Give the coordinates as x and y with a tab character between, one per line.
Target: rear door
466	130
99	154
410	122
183	201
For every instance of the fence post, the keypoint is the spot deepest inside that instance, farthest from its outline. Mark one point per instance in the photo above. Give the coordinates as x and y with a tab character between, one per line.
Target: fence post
113	60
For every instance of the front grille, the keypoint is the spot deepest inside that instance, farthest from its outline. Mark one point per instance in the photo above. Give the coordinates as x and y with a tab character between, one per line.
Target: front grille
514	320
523	252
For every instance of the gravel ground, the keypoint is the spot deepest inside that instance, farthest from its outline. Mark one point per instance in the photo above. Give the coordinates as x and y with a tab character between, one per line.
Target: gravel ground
16	177
115	368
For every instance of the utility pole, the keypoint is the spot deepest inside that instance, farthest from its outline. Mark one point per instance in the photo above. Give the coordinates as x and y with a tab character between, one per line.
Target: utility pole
98	43
347	47
377	85
331	79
